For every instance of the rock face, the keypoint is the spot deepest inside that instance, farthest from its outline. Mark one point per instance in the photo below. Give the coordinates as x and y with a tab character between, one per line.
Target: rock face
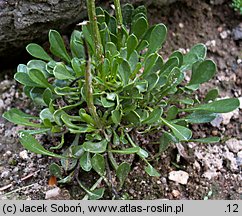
24	21
150	2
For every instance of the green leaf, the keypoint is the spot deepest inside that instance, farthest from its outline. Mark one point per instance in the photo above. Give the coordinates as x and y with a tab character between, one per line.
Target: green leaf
132	117
38	131
78	67
46	114
116	116
122	172
124	72
151	171
31	144
169	66
18	117
157	38
47	96
67	91
140	10
93	194
219	106
165	140
105	68
127	11
143	114
207	140
149	64
203	72
172	112
116	140
139	27
186	101
106	103
142	86
38	77
88	37
142	153
82	129
105	35
98	164
132	43
95	147
67	179
24	79
85	162
110	47
179	55
154	116
77	48
57	46
142	45
152	81
197	53
38	52
36	94
77	150
132	150
199	117
61	72
55	170
85	117
69	162
211	95
40	65
182	133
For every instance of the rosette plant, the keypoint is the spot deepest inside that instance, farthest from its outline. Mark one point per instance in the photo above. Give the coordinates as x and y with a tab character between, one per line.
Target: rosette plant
109	85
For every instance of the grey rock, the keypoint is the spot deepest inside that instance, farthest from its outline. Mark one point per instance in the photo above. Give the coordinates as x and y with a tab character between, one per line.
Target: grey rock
237	32
5	174
25	21
15	170
239	159
234	145
217	121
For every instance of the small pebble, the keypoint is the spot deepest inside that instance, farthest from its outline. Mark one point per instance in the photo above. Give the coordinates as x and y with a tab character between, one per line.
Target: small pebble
52	193
5	174
131	191
24	155
224	34
179	176
15	170
211	43
158	182
214	132
8	153
181	25
176	193
217	121
234	145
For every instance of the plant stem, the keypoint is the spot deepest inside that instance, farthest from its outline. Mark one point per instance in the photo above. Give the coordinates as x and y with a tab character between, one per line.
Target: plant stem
89	91
93	21
118	12
120	21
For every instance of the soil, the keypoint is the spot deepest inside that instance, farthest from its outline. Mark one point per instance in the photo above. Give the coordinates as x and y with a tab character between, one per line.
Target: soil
214	170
